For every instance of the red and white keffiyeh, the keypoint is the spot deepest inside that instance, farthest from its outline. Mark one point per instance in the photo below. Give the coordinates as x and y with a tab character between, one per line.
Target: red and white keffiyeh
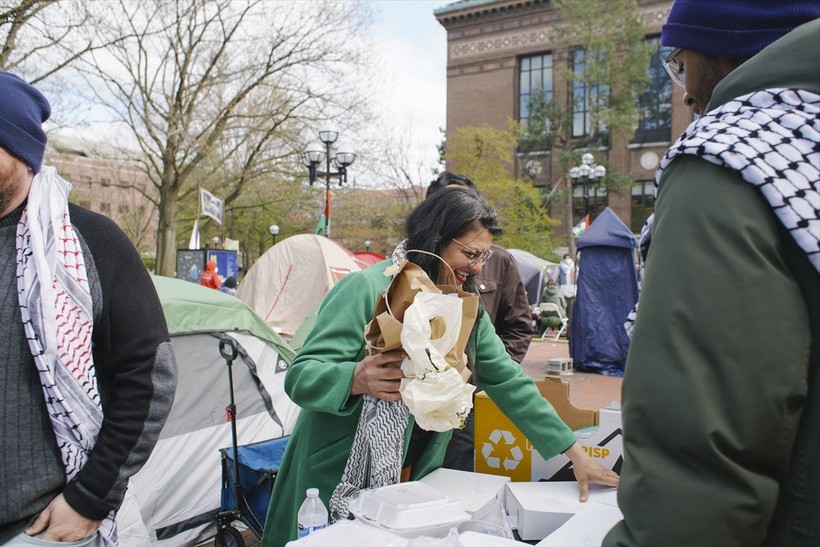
56	307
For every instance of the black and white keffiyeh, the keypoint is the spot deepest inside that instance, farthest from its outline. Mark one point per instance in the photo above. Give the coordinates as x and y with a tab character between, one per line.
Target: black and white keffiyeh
376	456
771	138
57	312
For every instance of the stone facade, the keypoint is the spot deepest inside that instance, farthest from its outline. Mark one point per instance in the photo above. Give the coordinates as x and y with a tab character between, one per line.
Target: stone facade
486	40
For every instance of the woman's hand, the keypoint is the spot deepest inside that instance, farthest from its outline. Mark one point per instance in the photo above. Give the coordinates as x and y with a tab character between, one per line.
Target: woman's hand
379	375
588	471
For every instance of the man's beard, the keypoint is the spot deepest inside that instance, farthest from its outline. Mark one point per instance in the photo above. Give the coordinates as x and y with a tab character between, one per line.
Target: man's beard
10	184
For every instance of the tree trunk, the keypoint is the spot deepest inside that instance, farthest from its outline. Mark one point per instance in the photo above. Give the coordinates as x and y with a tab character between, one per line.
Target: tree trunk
167	234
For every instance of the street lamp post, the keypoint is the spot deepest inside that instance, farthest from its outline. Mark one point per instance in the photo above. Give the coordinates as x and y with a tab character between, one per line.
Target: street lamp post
274	231
586	174
342	159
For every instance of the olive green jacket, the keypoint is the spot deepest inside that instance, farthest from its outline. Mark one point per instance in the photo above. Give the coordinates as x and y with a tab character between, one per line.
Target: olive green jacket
721	404
320	379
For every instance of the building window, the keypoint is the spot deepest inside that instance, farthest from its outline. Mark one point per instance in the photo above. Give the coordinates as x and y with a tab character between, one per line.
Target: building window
535	76
642	204
584	98
655	103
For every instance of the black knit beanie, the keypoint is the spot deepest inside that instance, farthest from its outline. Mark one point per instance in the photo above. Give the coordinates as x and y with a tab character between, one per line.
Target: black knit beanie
23	110
737	29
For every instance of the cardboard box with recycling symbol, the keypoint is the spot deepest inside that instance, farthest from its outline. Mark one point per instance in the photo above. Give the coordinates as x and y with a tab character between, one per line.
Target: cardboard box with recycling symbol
501	448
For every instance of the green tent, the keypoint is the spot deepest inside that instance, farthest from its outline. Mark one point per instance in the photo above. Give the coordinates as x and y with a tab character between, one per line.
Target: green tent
191	308
172	499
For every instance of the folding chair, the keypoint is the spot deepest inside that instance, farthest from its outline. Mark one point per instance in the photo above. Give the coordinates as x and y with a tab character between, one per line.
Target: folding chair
550	307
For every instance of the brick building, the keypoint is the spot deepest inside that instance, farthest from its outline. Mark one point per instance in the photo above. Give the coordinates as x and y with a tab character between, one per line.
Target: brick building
501	51
106	182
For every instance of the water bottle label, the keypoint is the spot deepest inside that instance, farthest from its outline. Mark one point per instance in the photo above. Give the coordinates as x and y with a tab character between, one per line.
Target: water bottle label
303	531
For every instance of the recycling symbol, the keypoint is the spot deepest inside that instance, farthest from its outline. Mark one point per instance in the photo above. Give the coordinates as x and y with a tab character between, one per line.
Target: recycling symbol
491	450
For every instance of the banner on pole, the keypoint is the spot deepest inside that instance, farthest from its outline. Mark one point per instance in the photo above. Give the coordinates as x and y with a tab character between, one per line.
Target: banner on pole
211	205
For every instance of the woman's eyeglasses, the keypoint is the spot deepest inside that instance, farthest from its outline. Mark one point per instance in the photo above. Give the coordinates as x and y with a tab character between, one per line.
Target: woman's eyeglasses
474	256
674	68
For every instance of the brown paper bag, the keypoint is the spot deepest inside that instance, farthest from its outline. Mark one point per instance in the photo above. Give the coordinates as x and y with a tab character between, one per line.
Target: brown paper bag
383	332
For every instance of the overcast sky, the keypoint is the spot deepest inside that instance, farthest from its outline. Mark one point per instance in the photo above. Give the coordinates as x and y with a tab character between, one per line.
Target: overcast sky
411	59
414	45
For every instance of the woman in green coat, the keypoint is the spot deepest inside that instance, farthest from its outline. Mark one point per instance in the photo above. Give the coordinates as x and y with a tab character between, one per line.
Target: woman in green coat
331	375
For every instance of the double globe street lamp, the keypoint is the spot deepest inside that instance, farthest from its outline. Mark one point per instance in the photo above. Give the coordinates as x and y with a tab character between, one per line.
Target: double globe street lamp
340	161
587	175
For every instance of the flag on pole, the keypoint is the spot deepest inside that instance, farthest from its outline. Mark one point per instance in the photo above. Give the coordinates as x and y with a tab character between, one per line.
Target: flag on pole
580	228
193	243
211	205
322	224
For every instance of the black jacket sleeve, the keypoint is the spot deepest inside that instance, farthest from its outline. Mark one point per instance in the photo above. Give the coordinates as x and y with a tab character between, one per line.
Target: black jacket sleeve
134	363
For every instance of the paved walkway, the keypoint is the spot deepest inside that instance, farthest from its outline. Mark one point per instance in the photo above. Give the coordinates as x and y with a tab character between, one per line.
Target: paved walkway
586	390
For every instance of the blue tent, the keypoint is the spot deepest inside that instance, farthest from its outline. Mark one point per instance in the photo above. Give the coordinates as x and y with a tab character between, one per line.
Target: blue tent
607	291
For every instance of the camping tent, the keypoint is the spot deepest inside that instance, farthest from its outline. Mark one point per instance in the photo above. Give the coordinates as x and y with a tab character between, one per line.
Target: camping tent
607	291
172	499
534	272
287	282
367	258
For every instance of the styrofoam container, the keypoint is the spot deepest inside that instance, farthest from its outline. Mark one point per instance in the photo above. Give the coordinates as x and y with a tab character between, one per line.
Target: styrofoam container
349	533
409	509
479	493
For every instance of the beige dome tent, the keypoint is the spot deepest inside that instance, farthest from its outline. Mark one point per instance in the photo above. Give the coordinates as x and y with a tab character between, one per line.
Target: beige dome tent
292	277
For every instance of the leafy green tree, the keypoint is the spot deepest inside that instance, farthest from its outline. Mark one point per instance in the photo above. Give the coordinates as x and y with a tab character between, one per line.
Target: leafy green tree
485	155
615	62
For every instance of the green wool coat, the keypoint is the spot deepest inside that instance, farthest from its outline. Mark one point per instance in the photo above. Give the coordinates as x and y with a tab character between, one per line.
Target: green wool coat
320	379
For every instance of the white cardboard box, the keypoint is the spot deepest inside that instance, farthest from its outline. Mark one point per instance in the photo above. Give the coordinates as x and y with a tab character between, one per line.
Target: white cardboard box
539	508
479	493
588	526
604	443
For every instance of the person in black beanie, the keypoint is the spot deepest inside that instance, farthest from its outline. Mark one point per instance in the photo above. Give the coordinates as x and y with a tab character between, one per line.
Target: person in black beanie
89	374
721	392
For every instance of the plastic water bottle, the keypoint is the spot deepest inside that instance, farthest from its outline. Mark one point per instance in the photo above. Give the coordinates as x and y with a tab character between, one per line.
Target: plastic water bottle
312	514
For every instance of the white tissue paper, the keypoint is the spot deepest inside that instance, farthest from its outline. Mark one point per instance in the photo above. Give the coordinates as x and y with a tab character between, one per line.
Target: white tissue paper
436	394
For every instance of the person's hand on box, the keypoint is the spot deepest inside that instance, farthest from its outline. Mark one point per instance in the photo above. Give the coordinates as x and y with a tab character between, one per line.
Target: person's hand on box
379	375
589	471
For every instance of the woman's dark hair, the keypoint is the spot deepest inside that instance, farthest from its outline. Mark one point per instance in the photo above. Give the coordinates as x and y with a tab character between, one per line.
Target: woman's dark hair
448	179
230	282
449	213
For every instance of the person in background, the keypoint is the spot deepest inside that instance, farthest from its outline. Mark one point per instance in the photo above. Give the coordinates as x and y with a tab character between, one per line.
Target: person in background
89	374
567	282
721	393
210	277
550	319
332	380
229	285
505	301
